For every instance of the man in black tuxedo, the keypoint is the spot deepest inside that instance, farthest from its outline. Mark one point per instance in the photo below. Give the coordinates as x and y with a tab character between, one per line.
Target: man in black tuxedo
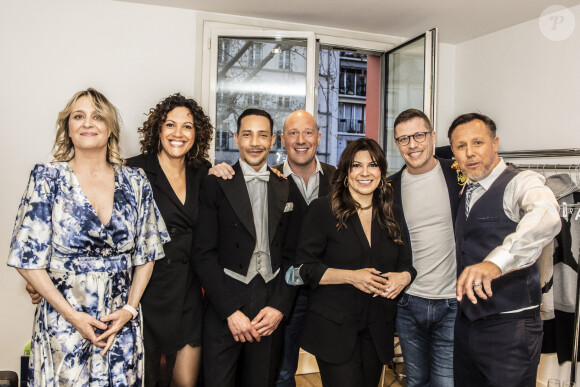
309	179
240	253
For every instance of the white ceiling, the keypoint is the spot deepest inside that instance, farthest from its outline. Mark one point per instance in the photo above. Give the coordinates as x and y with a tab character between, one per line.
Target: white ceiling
457	20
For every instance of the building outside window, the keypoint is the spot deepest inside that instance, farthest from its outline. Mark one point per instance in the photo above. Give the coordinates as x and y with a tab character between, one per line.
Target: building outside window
284	60
222	139
255	55
341	101
224	51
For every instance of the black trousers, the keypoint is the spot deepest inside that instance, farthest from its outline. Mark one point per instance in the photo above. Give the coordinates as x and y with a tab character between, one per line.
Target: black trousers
227	363
363	369
497	351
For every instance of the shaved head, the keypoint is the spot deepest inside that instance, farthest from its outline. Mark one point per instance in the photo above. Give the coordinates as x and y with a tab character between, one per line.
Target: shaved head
303	115
300	139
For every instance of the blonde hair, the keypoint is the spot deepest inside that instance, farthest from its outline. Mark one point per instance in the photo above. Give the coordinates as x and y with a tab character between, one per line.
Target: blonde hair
64	148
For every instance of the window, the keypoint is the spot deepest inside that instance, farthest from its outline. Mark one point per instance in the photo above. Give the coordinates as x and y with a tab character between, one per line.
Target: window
351	118
284	60
224	52
353	81
284	102
410	70
250	79
222	139
254	99
255	55
267	58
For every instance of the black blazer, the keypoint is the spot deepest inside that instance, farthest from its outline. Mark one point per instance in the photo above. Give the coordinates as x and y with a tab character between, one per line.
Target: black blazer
454	187
336	311
227	239
300	206
173	287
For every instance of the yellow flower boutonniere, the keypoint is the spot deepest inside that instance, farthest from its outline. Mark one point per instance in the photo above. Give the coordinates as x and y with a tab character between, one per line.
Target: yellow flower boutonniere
461	177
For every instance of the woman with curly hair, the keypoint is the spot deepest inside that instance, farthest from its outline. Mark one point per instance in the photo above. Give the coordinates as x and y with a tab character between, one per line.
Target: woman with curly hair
175	140
352	256
86	235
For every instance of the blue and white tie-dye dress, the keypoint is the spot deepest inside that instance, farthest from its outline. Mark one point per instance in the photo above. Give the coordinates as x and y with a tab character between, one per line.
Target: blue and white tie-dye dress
91	264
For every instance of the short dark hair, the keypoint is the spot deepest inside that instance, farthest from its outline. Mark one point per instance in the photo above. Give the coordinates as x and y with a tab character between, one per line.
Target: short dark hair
468	117
408	115
255	112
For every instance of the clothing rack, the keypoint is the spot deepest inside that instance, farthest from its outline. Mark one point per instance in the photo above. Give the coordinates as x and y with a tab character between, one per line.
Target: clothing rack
568	167
543	167
522	154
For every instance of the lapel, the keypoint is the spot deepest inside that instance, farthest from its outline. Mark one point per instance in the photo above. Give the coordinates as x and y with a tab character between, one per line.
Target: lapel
237	195
323	185
376	235
395	181
453	186
298	194
356	224
160	181
277	199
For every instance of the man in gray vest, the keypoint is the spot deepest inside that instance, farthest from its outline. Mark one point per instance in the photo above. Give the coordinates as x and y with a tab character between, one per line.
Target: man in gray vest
505	219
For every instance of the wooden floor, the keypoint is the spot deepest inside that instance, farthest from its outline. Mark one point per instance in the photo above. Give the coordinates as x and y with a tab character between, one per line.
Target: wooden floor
389	380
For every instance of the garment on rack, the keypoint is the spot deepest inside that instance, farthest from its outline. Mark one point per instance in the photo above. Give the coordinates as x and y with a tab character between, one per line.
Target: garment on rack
559	291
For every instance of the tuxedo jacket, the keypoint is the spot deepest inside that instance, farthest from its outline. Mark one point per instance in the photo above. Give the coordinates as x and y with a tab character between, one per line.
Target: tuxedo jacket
336	312
173	295
226	238
454	187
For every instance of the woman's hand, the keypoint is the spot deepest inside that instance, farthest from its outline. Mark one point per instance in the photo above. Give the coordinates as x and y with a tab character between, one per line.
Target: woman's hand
396	282
86	324
116	320
367	280
35	297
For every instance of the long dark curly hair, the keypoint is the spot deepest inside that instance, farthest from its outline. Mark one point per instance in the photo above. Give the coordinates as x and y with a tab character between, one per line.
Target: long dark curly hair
150	143
343	204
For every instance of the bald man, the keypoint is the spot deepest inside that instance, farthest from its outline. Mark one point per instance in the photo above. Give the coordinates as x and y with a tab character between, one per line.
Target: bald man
312	179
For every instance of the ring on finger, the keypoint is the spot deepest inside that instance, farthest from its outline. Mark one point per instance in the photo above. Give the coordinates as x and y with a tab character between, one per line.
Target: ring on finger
475	284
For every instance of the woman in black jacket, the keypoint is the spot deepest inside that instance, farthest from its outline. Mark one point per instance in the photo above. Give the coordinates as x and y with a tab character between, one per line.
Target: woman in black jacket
352	256
175	142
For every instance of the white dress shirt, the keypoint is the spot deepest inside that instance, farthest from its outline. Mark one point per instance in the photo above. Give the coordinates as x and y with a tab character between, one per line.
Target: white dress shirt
528	202
309	192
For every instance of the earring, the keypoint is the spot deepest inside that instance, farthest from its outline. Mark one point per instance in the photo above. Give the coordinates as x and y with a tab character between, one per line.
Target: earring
345	182
381	183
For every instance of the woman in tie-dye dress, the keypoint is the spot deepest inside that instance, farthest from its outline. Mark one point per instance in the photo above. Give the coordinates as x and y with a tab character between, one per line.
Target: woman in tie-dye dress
86	235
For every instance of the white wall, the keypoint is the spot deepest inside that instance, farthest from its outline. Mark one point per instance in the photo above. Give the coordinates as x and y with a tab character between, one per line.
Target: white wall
530	86
135	54
445	92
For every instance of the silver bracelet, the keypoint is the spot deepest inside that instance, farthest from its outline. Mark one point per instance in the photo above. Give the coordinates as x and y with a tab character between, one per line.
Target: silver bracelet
132	310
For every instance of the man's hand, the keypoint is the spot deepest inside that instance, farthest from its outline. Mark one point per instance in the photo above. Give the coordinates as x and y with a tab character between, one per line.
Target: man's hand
241	328
267	321
476	279
35	298
280	174
223	170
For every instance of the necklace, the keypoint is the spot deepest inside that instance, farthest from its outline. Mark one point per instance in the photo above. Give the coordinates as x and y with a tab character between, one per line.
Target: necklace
366	208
